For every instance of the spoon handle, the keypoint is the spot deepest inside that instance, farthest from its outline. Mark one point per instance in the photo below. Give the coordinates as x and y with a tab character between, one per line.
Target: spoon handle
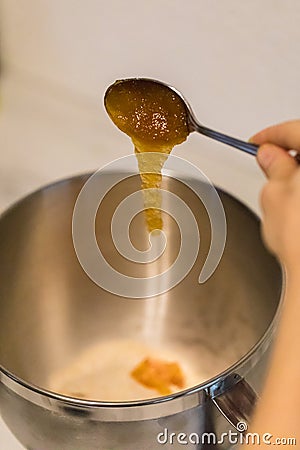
233	142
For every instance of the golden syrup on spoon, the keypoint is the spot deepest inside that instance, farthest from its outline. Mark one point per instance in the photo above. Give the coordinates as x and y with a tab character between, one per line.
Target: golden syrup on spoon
155	118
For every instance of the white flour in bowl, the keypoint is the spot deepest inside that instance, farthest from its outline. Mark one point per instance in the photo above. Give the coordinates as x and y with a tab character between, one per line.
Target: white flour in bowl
103	372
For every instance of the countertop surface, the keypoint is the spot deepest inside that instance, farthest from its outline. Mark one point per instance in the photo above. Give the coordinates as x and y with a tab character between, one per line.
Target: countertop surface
46	136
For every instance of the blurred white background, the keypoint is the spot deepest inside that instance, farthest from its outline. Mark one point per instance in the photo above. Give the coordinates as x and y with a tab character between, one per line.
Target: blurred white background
236	61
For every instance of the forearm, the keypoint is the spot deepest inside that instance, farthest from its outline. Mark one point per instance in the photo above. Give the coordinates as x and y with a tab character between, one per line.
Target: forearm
278	411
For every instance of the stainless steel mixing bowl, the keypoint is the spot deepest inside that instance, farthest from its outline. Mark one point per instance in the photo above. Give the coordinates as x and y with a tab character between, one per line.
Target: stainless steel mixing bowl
51	312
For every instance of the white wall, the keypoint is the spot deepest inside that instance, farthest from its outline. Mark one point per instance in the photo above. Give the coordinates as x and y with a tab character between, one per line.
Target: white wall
238	61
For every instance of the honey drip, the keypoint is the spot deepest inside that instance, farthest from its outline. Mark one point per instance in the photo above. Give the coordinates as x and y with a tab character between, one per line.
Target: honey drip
155	118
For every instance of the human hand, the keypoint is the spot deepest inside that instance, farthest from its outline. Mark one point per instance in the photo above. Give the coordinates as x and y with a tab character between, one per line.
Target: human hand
280	197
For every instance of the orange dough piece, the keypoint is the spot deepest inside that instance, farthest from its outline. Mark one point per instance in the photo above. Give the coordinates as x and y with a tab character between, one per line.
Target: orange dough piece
159	375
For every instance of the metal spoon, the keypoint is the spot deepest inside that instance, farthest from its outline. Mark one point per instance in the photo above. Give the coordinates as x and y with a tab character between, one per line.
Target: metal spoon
194	125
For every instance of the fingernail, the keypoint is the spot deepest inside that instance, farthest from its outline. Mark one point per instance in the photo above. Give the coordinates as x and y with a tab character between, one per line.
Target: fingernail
265	156
252	139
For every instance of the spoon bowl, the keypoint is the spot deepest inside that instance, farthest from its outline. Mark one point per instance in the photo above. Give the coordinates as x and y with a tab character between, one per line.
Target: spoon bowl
192	123
158	92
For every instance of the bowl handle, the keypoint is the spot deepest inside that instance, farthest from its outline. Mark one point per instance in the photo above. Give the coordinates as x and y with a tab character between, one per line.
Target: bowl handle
235	399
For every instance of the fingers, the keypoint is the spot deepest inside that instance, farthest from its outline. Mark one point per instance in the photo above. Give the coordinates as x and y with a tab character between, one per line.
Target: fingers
275	162
272	157
286	135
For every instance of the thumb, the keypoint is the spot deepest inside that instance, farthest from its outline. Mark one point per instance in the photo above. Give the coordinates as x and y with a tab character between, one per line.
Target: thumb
275	161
